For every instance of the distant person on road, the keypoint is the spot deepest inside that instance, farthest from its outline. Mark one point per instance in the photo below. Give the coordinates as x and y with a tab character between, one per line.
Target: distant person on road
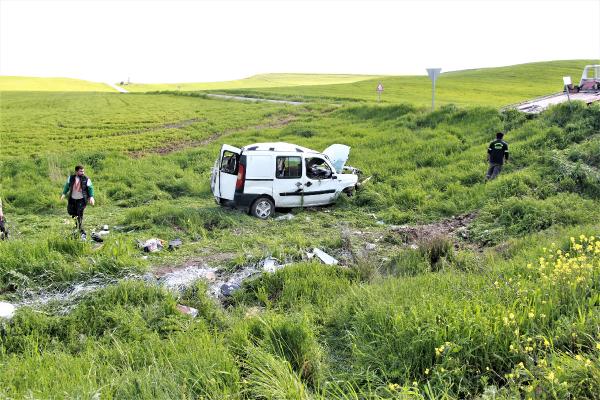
80	192
497	156
3	228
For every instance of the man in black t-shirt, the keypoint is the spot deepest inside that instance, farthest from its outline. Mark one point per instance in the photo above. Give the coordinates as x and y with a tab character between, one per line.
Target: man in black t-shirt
497	154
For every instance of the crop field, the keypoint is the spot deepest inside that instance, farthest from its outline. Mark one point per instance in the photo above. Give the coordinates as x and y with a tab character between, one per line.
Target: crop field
448	287
27	84
494	87
257	81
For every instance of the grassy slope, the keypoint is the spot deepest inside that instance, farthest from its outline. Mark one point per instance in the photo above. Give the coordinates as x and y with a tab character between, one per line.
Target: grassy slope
256	81
36	123
489	86
375	326
26	83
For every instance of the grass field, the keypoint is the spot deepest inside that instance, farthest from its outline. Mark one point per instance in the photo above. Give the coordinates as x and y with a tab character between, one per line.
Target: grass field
256	81
507	308
27	84
494	87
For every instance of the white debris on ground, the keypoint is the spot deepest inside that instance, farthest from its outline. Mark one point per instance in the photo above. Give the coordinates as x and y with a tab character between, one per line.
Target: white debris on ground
285	217
151	245
220	284
324	257
7	310
191	311
180	279
270	264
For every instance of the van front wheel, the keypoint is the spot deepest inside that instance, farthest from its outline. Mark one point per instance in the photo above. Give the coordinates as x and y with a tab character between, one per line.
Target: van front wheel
262	208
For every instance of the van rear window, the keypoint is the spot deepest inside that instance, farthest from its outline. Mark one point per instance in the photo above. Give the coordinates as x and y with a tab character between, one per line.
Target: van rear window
288	167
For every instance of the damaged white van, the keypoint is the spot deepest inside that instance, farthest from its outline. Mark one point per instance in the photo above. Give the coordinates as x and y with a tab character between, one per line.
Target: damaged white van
262	176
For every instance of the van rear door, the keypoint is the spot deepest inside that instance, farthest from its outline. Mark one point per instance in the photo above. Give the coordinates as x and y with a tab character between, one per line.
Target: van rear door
226	174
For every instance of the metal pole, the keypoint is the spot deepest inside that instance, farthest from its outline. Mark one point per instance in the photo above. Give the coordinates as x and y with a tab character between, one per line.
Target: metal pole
433	74
568	97
433	95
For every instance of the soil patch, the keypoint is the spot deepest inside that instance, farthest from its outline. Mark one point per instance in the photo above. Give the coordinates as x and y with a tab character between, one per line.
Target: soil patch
452	227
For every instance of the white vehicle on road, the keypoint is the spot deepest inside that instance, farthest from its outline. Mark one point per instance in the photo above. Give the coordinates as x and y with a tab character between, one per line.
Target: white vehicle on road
262	176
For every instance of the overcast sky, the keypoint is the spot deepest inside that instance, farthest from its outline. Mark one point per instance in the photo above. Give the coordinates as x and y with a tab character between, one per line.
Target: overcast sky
201	41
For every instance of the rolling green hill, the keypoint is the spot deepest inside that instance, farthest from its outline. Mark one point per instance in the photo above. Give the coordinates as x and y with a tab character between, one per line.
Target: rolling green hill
27	83
494	87
256	81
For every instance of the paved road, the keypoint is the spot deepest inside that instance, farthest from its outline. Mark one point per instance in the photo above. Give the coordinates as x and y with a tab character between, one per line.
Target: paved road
540	104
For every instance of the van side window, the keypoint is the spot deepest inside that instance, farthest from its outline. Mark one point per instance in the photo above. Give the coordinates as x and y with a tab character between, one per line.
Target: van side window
288	167
229	163
317	168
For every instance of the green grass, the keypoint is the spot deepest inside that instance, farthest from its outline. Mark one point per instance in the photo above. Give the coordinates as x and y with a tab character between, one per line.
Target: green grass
495	87
28	84
477	317
256	81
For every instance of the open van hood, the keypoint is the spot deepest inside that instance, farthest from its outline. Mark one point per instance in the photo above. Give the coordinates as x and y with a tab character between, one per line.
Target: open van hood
338	155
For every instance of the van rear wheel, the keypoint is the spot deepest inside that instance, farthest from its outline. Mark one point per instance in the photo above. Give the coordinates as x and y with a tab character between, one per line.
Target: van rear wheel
262	208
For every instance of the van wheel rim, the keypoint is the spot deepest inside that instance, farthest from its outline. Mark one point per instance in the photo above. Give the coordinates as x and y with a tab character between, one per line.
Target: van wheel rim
263	209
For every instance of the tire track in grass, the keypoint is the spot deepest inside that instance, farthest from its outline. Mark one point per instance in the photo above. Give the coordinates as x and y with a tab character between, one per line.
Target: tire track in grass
182	145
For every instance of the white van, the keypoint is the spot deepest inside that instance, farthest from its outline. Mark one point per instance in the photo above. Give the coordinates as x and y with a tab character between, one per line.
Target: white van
262	176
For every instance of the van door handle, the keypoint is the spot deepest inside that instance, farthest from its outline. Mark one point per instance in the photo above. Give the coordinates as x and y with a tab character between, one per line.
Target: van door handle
308	184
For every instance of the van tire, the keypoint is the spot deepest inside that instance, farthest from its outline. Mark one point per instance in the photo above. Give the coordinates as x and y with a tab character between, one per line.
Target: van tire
262	208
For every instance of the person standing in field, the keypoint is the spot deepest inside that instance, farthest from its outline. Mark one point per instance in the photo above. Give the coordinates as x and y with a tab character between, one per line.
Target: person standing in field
497	155
80	192
3	228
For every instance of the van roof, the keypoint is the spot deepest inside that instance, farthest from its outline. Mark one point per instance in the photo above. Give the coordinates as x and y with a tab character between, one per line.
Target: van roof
277	147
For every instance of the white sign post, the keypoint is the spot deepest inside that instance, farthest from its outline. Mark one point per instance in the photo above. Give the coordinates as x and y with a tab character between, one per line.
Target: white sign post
379	90
433	74
567	82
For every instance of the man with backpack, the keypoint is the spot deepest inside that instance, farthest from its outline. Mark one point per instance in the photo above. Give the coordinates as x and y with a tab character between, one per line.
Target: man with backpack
80	192
497	155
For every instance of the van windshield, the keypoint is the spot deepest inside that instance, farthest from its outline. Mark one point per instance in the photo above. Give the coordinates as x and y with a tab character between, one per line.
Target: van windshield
317	168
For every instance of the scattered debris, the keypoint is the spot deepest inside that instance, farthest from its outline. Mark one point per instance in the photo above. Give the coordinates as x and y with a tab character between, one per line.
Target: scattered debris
191	311
285	217
324	257
7	310
180	279
227	289
362	183
98	236
270	264
151	245
174	244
